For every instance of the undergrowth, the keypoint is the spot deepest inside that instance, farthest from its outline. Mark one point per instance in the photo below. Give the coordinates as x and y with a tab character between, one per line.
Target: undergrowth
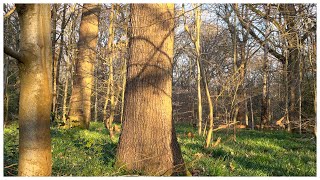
91	152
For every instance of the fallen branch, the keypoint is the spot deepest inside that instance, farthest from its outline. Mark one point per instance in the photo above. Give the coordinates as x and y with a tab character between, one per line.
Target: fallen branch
217	142
224	126
6	167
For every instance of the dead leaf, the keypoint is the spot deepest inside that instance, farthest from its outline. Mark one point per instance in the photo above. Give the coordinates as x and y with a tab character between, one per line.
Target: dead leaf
231	166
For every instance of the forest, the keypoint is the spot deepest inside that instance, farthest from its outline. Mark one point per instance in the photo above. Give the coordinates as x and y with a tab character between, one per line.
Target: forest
186	89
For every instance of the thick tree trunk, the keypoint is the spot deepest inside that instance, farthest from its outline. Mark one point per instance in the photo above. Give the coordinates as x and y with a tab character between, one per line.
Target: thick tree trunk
148	140
293	61
36	90
80	107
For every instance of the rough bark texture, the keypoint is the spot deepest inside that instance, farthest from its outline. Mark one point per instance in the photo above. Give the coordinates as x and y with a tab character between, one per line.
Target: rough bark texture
36	90
148	140
80	113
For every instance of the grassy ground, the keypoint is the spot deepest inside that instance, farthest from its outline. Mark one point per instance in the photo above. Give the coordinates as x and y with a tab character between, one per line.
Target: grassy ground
92	153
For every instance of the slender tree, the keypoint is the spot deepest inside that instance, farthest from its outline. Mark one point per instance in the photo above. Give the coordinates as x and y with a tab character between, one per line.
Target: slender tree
265	94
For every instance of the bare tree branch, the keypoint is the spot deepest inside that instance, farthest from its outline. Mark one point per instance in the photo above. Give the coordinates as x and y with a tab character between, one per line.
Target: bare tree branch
12	53
10	12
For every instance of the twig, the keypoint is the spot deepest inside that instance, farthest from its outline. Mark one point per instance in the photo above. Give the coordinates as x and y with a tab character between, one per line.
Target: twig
11	165
10	12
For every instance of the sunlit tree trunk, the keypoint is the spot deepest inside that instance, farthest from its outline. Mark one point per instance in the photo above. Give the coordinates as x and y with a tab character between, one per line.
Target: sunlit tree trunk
209	136
110	47
148	140
246	109
65	94
36	90
196	41
80	107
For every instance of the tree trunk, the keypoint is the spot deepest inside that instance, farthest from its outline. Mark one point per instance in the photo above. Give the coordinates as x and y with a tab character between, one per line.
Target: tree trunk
293	62
110	48
35	91
124	80
57	73
286	79
124	66
5	85
198	53
54	58
246	109
80	108
264	100
252	117
196	41
209	136
265	93
65	93
148	141
96	93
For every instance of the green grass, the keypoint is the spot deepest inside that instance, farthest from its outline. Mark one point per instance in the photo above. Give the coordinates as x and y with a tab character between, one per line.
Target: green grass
91	152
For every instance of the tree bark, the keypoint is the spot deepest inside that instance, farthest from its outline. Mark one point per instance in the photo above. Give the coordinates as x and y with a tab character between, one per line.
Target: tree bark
265	94
54	58
110	94
5	88
80	107
57	73
148	140
36	90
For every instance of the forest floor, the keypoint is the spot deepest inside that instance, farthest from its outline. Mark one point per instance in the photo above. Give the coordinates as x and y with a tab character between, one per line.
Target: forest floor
91	152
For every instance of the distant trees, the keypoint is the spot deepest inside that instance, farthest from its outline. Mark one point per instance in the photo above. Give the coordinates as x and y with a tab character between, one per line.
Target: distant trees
148	141
80	105
35	89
